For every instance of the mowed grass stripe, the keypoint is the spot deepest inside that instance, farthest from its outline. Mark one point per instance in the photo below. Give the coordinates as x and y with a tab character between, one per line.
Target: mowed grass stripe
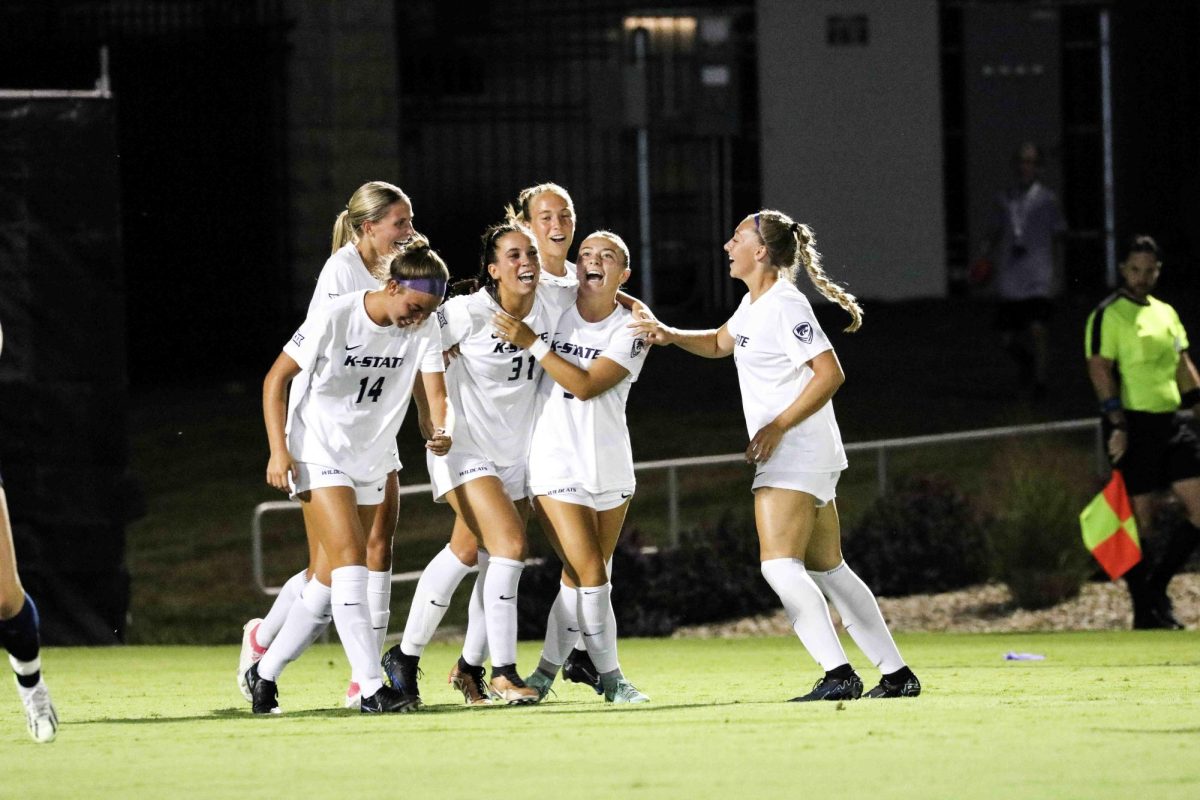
1105	715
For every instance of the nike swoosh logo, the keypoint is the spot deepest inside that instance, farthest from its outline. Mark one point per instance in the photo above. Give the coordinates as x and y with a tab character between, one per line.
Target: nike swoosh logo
439	605
348	347
510	597
595	592
352	604
572	630
379	488
590	635
625	495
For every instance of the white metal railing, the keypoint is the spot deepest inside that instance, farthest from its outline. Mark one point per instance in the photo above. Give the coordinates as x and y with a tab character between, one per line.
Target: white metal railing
881	447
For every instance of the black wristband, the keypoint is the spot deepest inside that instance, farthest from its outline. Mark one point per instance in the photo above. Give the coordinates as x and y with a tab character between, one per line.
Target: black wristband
1190	398
1110	405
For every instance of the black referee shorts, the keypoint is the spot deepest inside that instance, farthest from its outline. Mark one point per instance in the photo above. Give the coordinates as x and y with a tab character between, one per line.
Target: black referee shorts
1163	449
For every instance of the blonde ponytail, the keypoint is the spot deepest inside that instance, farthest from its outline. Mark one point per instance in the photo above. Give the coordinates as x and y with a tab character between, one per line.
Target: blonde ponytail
369	203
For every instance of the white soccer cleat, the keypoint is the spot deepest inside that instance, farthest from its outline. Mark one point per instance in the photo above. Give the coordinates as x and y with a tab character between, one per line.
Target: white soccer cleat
40	715
248	657
353	699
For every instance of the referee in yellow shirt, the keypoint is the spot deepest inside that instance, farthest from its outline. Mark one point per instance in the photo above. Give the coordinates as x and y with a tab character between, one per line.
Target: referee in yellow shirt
1139	366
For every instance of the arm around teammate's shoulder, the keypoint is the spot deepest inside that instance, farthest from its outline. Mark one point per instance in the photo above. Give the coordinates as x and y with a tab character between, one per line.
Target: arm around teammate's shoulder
585	384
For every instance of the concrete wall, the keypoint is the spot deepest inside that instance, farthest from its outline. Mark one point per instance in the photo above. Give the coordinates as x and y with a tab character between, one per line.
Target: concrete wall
343	120
851	139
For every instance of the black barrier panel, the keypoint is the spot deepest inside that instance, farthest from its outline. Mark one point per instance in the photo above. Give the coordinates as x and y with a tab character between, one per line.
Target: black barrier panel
63	427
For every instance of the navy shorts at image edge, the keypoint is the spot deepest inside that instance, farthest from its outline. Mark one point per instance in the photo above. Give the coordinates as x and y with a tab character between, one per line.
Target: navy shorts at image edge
1162	449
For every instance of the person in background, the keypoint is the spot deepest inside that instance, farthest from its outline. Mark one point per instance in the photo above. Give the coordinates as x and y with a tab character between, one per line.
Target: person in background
1024	241
788	373
1137	360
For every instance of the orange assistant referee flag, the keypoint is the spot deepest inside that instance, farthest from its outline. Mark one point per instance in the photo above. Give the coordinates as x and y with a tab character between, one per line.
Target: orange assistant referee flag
1109	529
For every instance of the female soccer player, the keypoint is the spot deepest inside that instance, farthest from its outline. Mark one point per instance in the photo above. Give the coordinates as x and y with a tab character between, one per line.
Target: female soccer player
548	210
580	459
1137	359
493	389
19	627
376	221
788	374
362	353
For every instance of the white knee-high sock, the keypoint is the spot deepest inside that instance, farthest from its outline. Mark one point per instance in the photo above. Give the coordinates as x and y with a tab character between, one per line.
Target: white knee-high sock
612	618
348	596
431	599
595	605
475	643
805	606
379	601
860	614
268	629
562	628
500	608
306	619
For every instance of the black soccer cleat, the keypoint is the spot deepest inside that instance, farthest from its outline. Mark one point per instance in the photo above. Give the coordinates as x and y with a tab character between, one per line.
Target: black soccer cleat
901	683
388	701
264	694
402	670
830	687
580	669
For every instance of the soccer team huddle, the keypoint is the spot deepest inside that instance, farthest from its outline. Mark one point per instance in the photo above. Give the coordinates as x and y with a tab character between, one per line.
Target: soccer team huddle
520	384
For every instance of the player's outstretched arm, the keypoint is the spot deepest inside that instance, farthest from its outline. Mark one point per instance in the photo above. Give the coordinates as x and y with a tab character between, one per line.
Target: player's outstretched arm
713	343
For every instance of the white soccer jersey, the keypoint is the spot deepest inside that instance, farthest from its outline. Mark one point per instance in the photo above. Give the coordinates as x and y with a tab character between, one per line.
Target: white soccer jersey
569	280
492	384
344	272
586	442
360	382
774	338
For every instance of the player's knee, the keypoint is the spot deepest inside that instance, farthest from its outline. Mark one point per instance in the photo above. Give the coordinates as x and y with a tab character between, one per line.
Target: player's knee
11	602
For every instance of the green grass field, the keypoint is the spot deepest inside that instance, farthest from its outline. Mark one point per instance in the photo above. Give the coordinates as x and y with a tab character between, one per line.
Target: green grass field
1104	715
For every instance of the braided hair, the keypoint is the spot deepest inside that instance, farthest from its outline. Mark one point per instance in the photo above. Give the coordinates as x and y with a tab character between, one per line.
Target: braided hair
791	246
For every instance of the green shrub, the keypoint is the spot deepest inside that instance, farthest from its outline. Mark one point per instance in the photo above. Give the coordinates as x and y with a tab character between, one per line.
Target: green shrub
1036	541
923	536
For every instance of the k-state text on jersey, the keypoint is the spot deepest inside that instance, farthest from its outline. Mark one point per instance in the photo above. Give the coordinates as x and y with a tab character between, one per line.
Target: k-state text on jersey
374	362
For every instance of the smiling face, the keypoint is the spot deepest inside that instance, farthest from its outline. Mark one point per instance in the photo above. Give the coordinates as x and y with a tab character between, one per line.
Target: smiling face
405	306
1140	273
390	231
601	266
745	249
516	266
553	223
